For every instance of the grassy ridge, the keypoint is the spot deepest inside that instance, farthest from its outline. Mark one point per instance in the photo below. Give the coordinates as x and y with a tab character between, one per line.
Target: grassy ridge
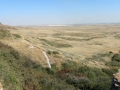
21	73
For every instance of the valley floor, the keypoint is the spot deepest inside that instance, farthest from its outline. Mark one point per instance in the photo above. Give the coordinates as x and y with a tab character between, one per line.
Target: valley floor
76	43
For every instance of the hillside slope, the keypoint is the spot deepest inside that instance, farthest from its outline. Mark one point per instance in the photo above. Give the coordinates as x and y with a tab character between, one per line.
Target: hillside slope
30	49
23	66
18	72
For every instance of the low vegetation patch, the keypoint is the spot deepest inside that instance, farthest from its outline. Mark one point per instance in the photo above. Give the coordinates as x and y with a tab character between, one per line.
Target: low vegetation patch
117	36
73	34
4	33
16	35
18	72
78	39
52	52
55	44
116	57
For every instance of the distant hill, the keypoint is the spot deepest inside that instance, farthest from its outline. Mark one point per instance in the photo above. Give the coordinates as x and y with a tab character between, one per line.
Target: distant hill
6	26
0	23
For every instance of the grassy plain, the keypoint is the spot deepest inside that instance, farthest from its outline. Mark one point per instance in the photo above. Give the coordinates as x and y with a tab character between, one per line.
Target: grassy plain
78	43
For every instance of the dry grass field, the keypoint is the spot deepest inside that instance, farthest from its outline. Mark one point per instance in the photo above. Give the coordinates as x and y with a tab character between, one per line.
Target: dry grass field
83	44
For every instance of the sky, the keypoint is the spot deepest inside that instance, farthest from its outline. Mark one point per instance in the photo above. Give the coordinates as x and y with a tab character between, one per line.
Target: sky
59	12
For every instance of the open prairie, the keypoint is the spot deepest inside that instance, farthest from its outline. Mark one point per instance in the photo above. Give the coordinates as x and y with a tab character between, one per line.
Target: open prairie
82	44
40	57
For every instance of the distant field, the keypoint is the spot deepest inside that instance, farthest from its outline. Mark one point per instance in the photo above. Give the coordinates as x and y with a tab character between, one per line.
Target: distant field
76	42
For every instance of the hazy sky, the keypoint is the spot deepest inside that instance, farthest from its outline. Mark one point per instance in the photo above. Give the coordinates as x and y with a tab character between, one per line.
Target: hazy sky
40	12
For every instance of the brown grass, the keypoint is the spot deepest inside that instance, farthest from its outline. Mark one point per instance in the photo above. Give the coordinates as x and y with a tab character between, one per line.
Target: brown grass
84	41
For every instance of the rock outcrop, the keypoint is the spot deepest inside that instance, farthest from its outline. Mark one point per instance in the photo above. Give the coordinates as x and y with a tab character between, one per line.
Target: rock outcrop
1	87
116	81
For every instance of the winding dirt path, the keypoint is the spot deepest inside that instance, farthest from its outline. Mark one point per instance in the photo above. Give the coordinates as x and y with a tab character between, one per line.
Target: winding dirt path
48	61
31	46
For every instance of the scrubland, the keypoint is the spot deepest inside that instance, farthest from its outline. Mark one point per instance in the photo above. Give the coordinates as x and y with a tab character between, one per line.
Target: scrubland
76	43
82	57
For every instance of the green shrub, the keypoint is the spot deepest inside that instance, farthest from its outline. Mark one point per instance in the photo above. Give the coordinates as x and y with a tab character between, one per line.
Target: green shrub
16	35
15	54
55	52
86	78
49	52
54	67
116	57
55	44
109	72
4	33
113	64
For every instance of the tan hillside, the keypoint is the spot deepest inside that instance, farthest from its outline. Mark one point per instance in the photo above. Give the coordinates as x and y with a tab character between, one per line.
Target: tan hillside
22	45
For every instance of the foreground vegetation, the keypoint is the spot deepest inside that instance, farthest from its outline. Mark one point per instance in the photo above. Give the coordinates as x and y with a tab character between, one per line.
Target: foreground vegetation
18	72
